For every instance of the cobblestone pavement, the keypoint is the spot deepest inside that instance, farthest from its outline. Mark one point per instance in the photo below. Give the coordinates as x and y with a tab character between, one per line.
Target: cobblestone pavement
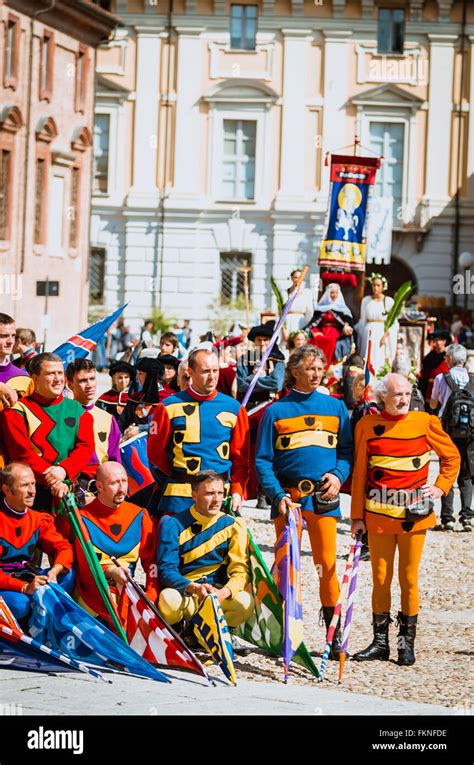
443	673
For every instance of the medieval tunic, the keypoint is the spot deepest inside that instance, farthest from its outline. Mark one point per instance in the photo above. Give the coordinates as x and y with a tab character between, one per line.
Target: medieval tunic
189	433
392	456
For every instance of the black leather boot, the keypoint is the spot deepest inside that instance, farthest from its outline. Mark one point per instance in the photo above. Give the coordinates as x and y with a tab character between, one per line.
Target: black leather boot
379	647
327	612
406	639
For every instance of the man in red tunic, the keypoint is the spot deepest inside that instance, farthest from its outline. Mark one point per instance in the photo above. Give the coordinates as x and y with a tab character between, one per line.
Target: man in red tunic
434	363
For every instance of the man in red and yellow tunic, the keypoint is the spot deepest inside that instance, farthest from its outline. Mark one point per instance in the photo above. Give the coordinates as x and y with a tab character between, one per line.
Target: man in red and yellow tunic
392	499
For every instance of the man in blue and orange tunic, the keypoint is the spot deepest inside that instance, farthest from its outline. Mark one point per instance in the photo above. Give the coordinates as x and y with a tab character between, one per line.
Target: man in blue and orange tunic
198	429
304	454
23	531
392	499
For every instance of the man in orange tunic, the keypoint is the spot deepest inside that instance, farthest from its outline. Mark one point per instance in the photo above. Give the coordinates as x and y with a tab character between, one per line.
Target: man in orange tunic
392	499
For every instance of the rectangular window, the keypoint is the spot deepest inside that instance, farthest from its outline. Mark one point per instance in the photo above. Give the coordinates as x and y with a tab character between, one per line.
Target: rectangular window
388	138
5	188
391	30
243	26
56	221
11	57
40	189
97	274
74	208
101	153
235	276
238	162
81	76
46	66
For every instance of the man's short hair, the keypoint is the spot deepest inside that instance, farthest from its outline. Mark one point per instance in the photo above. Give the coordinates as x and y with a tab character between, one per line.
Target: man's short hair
6	319
205	475
25	335
78	366
192	358
34	367
7	476
457	353
297	357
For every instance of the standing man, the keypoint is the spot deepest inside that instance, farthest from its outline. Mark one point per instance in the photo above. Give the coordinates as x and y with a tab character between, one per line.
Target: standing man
115	400
393	501
444	386
82	380
304	454
198	429
50	433
268	385
434	363
10	374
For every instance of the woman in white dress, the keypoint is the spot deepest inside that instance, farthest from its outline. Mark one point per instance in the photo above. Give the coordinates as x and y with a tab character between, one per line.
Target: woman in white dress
302	308
373	313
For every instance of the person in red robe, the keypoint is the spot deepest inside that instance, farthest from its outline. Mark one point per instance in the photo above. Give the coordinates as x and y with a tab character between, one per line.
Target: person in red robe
331	325
434	362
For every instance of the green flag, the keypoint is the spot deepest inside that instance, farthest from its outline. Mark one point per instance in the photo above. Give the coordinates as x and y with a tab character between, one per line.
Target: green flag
265	627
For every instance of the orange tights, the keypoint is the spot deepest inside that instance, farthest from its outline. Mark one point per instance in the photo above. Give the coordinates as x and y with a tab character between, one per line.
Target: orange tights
382	553
322	536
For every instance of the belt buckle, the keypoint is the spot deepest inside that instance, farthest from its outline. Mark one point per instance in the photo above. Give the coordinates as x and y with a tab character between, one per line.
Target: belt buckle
306	487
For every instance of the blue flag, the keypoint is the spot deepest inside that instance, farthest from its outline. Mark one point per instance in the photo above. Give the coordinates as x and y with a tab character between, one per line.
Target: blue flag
210	628
60	622
79	346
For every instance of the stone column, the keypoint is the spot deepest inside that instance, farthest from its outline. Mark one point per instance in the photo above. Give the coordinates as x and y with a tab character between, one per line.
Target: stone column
335	96
293	139
187	150
439	120
144	191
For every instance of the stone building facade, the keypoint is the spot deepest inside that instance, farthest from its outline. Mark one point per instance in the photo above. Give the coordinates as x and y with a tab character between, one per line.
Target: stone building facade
212	126
47	63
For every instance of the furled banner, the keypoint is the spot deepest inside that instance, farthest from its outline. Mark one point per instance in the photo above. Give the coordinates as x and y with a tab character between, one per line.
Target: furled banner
352	180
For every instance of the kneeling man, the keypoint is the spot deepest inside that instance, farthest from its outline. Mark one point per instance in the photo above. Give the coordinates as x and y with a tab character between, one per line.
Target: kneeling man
203	550
22	532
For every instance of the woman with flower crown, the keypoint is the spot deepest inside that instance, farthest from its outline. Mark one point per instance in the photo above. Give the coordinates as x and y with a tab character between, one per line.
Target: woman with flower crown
373	313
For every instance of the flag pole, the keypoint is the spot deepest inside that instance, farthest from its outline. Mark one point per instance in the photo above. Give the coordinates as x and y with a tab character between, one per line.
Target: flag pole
337	613
274	337
142	594
350	605
98	575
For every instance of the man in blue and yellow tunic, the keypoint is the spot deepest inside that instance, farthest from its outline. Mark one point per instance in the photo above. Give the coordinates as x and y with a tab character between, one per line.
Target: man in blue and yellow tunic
198	429
203	550
304	454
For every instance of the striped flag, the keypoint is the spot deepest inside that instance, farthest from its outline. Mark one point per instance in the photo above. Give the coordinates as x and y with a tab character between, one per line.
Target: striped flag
79	346
150	636
288	580
210	628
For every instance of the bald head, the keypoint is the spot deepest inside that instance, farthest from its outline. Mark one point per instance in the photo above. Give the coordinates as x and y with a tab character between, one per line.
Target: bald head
112	484
394	392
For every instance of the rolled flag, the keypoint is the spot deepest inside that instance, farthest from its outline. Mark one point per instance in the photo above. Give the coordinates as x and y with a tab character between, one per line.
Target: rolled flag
368	371
210	628
20	650
59	621
350	605
274	337
150	635
264	627
337	613
79	346
287	578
